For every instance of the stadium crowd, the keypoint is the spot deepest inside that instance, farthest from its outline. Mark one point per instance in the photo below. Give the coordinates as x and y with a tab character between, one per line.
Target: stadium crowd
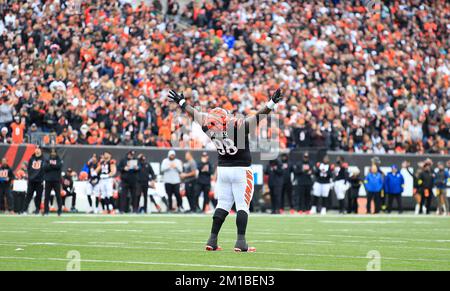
360	79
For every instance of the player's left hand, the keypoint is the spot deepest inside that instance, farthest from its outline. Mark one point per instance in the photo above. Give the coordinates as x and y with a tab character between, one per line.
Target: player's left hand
175	97
276	97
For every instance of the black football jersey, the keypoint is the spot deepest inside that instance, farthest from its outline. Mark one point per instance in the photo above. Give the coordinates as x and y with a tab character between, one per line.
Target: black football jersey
93	175
232	145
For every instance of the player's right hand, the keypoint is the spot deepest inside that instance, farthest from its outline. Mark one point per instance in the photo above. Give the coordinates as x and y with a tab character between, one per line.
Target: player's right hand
276	97
175	97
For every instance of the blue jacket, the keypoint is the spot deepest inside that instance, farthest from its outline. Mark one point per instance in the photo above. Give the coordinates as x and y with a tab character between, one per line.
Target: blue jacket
393	184
374	182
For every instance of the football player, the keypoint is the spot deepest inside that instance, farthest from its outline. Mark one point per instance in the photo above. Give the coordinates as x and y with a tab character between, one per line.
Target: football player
107	169
92	185
322	186
235	183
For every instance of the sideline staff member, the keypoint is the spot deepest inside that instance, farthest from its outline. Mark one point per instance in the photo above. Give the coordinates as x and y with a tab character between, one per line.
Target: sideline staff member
52	178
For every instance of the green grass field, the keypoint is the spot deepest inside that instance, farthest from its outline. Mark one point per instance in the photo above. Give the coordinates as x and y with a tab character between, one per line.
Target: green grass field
176	242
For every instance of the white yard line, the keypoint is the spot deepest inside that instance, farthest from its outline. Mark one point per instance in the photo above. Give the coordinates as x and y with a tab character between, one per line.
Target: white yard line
252	215
153	263
200	250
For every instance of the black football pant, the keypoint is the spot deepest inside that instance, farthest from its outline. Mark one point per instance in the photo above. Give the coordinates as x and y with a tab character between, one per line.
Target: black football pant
37	187
128	190
173	189
6	194
55	186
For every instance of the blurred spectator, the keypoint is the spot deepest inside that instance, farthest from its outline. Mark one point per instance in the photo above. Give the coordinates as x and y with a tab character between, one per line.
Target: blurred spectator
274	171
171	168
353	191
146	179
357	80
189	178
6	179
426	180
394	184
442	182
287	184
205	173
35	171
52	177
129	169
303	180
4	138
68	190
374	185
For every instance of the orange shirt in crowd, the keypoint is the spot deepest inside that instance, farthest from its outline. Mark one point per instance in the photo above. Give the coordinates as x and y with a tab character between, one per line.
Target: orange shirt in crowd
17	132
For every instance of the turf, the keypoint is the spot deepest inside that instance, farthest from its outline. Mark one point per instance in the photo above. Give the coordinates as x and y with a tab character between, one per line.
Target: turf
176	242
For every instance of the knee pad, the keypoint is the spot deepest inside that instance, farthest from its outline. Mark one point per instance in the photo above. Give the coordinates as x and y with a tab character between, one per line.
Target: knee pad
220	214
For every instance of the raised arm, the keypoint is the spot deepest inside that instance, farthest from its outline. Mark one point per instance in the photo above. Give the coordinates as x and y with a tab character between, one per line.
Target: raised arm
190	110
262	113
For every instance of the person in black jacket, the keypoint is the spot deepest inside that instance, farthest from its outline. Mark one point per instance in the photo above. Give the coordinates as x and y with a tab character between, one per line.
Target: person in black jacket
205	171
426	180
6	179
302	134
275	172
353	192
35	170
68	189
303	179
52	178
129	169
287	183
146	178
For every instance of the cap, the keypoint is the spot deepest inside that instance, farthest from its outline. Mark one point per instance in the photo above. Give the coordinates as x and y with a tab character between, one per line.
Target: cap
171	152
205	154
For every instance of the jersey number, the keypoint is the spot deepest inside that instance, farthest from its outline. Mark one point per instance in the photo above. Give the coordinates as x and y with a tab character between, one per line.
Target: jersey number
225	146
